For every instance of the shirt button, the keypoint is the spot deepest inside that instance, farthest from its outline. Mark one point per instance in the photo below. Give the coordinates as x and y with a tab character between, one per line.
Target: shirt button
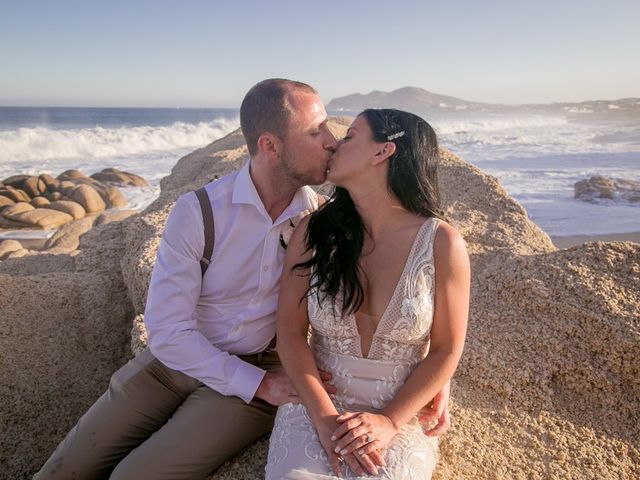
265	268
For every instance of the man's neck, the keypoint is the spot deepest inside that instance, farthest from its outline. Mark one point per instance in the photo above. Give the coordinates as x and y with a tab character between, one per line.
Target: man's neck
273	192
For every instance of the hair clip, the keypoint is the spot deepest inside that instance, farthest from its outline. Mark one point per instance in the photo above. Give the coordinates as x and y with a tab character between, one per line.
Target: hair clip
396	135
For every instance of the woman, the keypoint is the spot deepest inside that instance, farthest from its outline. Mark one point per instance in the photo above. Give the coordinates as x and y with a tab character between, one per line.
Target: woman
384	283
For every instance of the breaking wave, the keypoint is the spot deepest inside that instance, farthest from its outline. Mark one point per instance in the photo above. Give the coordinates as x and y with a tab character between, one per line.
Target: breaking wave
41	144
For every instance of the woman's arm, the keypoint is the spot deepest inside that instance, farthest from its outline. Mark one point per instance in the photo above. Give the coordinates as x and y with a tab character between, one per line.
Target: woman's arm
451	309
292	326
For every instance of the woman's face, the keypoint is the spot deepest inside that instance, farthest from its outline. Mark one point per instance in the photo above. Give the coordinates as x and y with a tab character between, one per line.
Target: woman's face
353	153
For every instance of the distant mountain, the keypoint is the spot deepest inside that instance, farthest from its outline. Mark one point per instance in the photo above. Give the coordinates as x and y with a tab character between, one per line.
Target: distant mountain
422	101
402	98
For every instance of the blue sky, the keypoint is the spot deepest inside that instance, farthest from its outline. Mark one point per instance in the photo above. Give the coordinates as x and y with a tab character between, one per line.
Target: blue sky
208	53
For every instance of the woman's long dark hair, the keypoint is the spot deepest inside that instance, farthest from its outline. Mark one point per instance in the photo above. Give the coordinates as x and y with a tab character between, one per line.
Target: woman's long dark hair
336	232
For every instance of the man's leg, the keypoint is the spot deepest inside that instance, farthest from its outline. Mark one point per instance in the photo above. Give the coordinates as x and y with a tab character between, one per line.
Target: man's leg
205	431
142	395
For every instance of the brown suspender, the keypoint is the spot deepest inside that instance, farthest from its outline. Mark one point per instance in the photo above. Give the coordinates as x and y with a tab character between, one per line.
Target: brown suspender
209	228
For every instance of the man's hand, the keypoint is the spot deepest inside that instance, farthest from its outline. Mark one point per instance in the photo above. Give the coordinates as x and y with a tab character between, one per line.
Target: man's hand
276	388
434	417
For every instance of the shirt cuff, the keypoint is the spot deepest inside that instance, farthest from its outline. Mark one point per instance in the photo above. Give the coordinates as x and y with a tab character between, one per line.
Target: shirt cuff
246	380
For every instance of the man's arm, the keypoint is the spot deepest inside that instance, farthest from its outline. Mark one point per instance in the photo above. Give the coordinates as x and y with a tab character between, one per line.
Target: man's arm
174	292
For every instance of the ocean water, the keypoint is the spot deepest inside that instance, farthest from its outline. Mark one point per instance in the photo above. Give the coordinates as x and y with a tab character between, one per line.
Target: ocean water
537	158
145	141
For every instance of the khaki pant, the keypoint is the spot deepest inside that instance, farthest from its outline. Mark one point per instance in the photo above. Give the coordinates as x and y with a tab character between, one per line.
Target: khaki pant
157	423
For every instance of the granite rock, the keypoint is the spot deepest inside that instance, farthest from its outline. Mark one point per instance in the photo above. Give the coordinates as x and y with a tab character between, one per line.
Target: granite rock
547	387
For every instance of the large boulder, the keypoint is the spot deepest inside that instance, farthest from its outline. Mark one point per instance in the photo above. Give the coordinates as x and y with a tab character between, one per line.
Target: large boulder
14	194
34	186
112	197
9	246
10	224
5	202
72	175
15	181
599	188
50	183
67	237
53	196
67	206
17	208
548	383
64	333
113	215
120	178
40	202
66	320
65	185
88	198
548	386
44	218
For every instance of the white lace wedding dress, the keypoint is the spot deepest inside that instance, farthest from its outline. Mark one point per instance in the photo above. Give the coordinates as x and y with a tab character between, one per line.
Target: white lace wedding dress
400	342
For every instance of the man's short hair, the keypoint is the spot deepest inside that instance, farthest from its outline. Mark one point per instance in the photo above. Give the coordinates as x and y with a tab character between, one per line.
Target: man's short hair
267	108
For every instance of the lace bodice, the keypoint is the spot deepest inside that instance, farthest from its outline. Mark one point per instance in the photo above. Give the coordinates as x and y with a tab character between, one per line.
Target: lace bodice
403	331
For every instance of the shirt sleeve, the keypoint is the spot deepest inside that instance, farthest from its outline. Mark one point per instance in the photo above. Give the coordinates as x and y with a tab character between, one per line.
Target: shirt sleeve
174	291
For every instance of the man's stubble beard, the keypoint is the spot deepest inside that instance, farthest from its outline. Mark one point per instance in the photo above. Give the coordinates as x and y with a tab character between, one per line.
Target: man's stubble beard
294	177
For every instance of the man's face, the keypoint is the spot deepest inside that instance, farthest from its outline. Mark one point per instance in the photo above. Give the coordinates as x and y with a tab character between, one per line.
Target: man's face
308	144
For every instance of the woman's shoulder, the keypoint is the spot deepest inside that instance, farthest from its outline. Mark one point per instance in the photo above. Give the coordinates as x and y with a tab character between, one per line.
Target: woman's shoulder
448	243
446	235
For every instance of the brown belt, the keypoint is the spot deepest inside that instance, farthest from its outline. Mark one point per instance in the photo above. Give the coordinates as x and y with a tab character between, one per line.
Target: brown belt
257	357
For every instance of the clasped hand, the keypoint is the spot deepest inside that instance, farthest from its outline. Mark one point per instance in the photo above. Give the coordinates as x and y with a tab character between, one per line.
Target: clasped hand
363	433
358	463
362	437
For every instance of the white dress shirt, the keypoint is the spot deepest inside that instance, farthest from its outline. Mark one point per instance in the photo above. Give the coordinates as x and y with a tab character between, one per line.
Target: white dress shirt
199	326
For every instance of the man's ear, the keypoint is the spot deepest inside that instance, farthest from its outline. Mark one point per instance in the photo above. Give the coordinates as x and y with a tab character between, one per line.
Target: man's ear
387	150
270	145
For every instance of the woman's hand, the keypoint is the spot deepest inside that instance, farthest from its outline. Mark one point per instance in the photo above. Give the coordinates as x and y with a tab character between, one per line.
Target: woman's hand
325	428
364	433
434	417
359	464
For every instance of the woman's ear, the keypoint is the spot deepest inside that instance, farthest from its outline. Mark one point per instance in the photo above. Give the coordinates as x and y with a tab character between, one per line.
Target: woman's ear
387	150
270	145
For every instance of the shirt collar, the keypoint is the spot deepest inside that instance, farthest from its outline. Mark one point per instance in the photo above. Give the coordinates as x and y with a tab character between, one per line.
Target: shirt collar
304	199
244	191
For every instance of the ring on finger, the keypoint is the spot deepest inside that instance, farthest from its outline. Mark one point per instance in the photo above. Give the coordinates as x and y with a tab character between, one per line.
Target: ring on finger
369	438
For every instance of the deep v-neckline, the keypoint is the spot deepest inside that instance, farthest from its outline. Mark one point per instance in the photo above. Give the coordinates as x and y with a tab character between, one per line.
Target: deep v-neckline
352	316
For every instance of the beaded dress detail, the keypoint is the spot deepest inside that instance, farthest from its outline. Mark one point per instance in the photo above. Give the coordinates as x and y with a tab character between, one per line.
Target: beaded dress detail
400	342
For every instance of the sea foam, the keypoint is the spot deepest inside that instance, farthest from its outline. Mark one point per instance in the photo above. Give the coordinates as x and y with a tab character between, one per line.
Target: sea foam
41	144
149	151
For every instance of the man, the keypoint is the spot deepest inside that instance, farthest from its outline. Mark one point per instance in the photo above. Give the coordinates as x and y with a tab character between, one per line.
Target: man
210	381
